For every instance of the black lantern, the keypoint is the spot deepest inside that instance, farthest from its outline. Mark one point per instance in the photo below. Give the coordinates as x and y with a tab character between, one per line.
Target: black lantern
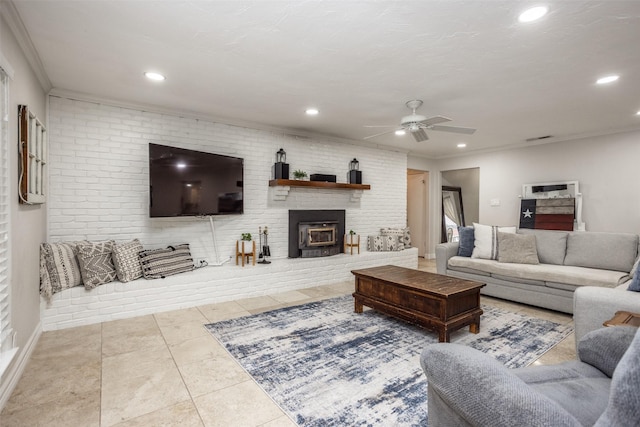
355	176
281	167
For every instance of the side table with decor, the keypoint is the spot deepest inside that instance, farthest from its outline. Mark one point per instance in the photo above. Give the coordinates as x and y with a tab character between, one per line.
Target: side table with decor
625	318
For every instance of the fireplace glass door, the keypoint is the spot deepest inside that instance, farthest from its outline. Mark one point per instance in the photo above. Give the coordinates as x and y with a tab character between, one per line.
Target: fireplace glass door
321	236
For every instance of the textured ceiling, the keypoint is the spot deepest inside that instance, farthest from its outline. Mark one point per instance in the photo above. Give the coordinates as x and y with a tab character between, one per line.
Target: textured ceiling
358	62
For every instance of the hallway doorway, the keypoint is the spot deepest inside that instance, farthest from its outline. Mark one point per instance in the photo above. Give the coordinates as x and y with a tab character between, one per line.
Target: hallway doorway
417	209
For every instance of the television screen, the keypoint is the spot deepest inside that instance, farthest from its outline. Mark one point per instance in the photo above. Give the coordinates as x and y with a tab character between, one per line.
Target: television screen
190	183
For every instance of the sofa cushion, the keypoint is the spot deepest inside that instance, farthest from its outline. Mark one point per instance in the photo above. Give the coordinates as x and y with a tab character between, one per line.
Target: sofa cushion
551	245
465	244
571	275
634	285
96	264
517	248
127	261
485	245
610	251
623	407
159	263
59	268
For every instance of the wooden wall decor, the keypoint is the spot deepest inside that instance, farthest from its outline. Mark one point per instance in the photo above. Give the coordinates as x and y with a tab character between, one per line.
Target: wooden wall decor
32	153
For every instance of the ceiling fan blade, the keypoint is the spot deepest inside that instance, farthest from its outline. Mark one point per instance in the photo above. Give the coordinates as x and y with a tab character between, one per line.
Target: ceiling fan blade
379	134
420	135
455	129
435	120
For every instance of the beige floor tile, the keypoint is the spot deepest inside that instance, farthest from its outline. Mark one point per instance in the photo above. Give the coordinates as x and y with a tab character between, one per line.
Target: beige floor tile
196	350
123	336
41	385
75	409
256	303
270	308
183	414
291	297
139	383
214	316
243	404
213	374
74	346
562	352
552	316
179	317
217	309
175	334
283	421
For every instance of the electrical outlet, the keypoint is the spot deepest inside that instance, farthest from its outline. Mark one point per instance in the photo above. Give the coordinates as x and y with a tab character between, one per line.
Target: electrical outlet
494	202
200	262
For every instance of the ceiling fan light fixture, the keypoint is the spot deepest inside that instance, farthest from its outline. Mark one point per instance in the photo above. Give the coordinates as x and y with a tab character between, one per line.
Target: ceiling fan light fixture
157	77
607	79
533	14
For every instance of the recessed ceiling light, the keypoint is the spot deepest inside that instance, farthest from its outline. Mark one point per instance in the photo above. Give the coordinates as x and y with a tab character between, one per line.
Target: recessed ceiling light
181	165
638	113
154	76
461	145
312	111
607	79
533	14
400	132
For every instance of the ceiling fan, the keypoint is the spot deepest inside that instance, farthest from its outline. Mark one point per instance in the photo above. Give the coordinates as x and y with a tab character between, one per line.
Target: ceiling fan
416	124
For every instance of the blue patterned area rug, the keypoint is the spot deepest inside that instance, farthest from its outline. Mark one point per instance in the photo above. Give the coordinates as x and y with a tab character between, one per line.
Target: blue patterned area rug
327	366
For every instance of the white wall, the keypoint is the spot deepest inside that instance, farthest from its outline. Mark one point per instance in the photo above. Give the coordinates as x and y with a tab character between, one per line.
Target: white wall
28	223
99	178
605	166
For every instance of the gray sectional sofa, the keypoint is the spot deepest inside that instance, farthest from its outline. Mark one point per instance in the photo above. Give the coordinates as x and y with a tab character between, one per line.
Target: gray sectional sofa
568	261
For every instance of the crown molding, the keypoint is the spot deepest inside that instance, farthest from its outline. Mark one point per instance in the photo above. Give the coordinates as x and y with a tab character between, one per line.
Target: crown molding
12	17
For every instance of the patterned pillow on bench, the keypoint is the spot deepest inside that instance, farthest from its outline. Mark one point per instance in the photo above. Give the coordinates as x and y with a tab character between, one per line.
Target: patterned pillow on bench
159	263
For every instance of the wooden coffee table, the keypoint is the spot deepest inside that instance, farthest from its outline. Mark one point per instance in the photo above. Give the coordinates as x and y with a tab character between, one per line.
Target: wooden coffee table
436	302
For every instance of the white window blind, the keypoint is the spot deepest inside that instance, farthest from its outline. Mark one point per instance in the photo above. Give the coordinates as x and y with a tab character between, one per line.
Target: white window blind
6	334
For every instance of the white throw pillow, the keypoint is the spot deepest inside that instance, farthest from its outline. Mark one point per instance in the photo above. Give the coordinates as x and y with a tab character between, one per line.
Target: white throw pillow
485	245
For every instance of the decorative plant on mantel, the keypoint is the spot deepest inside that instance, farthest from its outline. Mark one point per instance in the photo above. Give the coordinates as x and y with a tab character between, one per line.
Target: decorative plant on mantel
246	237
299	174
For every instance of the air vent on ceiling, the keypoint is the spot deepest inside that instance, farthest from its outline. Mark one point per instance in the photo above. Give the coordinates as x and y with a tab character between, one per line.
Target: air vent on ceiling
538	138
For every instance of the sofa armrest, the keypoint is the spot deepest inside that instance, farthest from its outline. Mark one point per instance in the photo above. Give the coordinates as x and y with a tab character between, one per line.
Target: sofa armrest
593	305
604	347
444	251
474	387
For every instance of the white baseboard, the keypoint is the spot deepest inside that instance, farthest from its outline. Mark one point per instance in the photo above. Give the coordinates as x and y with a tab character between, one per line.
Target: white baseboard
12	376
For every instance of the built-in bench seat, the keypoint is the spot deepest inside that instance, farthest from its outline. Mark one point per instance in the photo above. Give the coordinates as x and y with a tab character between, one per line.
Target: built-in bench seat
78	306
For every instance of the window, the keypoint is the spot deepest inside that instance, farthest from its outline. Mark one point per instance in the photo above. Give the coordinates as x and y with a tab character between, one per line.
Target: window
6	334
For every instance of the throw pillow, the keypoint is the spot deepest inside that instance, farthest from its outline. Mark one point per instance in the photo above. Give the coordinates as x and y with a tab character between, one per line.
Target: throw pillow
635	283
59	268
517	248
465	244
485	245
384	243
635	267
160	263
96	265
404	235
127	261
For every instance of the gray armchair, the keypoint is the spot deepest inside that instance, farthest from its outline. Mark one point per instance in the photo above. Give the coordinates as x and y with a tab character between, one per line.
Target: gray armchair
469	388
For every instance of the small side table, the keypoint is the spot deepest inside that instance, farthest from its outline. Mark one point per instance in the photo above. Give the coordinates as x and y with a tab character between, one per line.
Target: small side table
624	318
351	241
243	251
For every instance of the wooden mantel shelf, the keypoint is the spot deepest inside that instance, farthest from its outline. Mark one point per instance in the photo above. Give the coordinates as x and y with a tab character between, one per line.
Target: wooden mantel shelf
284	185
317	184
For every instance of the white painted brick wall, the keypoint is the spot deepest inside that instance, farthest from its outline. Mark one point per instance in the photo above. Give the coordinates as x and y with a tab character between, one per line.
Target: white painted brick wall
98	184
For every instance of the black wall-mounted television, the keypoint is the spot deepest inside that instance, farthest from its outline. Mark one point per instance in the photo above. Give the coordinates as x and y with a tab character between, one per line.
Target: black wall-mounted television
193	183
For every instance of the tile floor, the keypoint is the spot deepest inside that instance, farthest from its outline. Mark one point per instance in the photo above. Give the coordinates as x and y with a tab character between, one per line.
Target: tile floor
166	370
